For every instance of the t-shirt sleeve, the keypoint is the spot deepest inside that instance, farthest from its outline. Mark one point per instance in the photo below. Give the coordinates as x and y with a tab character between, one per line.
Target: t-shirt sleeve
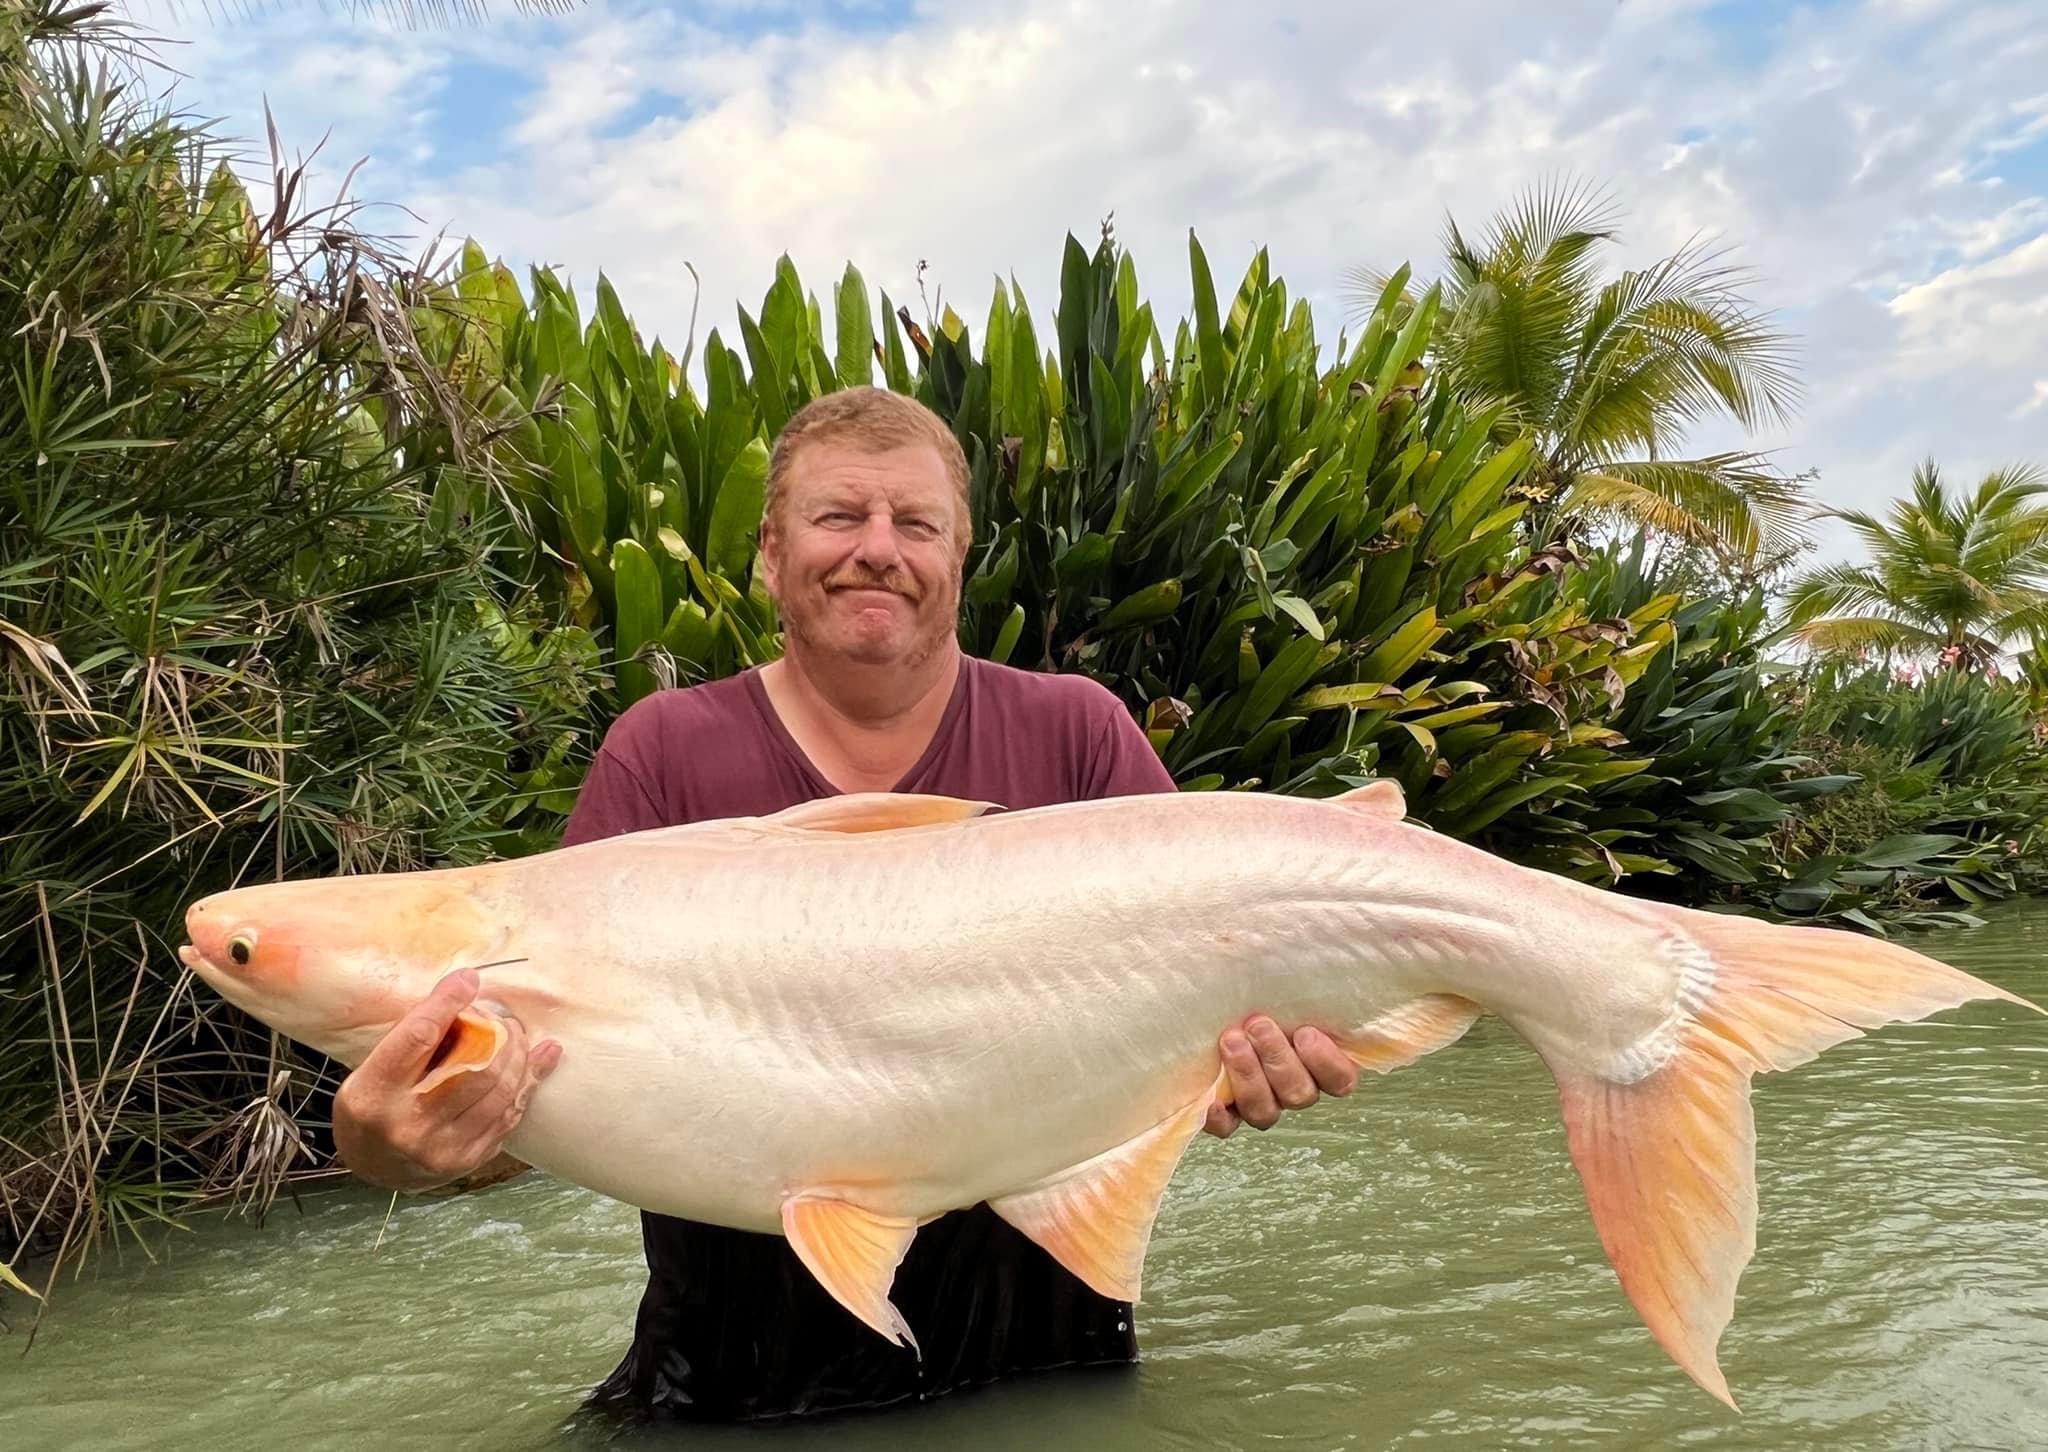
615	798
1123	763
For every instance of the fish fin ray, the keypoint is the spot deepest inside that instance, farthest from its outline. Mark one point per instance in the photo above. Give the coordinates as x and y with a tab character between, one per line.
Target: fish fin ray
1096	1219
853	1252
1402	1035
471	1042
1381	797
1668	1161
876	812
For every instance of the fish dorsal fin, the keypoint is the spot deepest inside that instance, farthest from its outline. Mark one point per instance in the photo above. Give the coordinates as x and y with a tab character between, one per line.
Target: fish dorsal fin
1096	1219
854	1253
1381	798
876	812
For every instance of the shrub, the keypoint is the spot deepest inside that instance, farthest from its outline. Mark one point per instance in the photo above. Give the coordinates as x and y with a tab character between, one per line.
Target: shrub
244	632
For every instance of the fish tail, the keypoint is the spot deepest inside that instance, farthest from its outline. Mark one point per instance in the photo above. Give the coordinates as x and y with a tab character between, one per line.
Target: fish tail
1665	1142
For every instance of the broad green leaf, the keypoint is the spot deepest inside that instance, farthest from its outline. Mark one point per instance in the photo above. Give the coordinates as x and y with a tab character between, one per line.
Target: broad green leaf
895	363
1006	638
1909	849
639	616
1368	694
1208	327
856	334
1296	663
736	512
1302	612
1401	650
1154	602
689	634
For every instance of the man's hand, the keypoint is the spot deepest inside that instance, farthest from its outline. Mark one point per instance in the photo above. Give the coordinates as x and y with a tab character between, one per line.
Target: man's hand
400	1140
1268	1073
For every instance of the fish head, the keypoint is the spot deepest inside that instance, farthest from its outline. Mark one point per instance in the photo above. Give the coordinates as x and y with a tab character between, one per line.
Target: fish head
335	962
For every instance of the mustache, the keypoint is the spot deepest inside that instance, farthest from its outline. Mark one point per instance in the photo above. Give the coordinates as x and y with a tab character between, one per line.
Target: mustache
896	582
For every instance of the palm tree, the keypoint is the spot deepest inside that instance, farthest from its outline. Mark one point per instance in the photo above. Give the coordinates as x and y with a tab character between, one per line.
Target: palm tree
1606	377
1952	577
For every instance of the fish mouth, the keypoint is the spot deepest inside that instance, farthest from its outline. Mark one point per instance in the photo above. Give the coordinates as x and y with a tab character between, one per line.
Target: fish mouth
189	956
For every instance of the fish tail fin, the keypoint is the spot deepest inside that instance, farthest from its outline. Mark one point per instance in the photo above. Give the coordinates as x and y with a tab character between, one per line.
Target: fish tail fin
1665	1145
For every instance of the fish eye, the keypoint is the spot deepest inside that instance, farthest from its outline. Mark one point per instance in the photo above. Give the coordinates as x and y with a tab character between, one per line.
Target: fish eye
240	947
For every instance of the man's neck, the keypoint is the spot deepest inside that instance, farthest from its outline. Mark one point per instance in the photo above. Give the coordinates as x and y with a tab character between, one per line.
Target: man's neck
862	727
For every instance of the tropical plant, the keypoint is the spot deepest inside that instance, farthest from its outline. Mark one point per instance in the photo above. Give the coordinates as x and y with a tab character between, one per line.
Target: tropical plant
1950	805
245	631
1291	576
1291	573
1725	772
1606	378
1952	577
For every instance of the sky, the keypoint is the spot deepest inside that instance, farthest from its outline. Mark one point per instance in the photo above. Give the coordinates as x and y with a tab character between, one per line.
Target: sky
1881	168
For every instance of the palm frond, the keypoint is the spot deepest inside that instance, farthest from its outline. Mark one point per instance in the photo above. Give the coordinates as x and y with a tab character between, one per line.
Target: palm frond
412	14
1687	312
1598	493
1878	633
1733	502
1833	589
1968	565
1561	219
2027	622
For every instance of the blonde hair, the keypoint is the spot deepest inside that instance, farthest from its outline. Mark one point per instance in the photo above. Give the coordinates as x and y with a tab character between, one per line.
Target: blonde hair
873	420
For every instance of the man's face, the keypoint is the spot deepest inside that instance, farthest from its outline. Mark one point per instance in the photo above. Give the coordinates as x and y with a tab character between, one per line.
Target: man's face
863	553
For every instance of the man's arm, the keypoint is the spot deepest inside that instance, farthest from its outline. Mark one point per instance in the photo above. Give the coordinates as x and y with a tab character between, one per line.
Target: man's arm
400	1140
1268	1073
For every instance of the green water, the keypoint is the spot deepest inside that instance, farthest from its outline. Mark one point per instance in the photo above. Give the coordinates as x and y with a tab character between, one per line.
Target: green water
1411	1268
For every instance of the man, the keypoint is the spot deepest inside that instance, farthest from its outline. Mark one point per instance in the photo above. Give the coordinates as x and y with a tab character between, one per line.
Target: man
864	534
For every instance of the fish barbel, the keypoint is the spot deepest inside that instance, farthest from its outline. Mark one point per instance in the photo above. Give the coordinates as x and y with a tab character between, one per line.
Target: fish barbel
841	1021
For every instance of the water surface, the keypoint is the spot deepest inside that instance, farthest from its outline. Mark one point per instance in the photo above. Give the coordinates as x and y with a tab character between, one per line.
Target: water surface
1410	1268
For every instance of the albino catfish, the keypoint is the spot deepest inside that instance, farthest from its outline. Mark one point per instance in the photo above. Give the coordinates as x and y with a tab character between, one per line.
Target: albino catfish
841	1021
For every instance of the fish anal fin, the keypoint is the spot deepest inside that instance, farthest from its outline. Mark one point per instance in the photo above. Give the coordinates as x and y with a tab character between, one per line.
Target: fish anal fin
471	1042
1380	798
876	812
1402	1035
853	1252
1096	1219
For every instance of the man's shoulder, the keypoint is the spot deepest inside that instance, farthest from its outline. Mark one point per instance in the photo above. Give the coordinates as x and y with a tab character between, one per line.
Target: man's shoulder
1049	694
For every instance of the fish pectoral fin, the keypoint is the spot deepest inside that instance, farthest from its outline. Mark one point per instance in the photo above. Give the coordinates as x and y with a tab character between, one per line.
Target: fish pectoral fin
854	1253
877	812
471	1042
1402	1035
1096	1219
1381	798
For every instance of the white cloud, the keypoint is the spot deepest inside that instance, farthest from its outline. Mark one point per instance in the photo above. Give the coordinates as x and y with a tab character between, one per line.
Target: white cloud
1869	165
1993	313
601	76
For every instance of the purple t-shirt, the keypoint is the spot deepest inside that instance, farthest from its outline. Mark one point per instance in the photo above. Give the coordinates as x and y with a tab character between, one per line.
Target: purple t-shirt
1018	738
732	1326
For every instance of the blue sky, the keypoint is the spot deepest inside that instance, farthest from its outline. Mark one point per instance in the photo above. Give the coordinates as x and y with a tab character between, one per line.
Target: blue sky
1881	165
